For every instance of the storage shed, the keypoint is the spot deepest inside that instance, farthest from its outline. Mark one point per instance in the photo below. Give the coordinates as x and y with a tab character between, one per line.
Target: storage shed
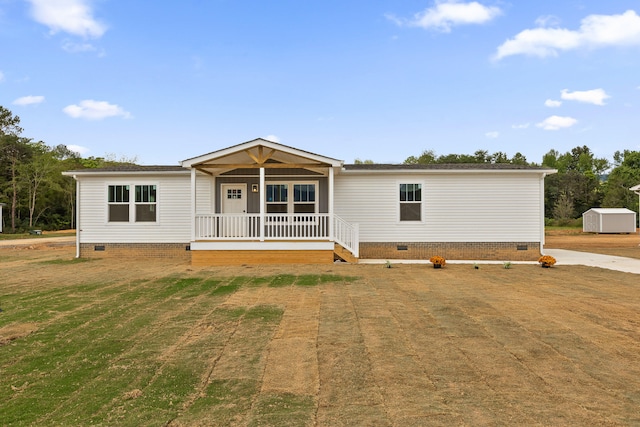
609	220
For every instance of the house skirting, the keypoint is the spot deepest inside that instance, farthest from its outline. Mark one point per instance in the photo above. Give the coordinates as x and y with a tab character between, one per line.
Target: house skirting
253	257
174	251
500	251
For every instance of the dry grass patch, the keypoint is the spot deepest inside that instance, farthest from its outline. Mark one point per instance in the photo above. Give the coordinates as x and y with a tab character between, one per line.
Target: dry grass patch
137	344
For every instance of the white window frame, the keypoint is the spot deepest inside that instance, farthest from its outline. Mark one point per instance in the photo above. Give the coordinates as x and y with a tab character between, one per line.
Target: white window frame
116	203
290	196
132	203
399	201
136	203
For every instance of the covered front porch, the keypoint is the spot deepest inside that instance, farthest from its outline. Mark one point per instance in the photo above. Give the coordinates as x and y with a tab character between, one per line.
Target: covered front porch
263	202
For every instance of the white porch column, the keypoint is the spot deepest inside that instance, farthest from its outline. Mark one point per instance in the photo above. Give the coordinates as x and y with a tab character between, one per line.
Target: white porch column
193	204
261	190
331	237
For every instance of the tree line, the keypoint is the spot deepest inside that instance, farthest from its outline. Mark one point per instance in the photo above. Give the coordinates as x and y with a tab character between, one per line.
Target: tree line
32	187
37	195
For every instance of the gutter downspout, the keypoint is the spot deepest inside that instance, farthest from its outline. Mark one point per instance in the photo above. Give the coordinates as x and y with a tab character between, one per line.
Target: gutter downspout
542	213
78	228
193	205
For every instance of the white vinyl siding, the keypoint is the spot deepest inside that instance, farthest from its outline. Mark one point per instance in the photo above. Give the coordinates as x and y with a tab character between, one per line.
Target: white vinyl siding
456	207
173	222
204	194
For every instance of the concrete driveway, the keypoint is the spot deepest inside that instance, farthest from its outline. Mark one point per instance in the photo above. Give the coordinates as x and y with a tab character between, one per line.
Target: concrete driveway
566	257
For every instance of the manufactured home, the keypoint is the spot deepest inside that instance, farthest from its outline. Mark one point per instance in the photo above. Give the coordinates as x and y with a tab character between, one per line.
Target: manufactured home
264	202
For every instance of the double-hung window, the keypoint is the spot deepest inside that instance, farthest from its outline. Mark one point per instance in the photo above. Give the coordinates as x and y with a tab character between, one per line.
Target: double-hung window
304	198
277	198
118	203
141	206
410	202
145	203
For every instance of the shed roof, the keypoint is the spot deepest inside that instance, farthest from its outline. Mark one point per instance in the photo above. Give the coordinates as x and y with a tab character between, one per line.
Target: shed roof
610	211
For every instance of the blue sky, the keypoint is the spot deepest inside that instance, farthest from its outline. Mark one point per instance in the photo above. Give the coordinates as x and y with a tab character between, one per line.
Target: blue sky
164	81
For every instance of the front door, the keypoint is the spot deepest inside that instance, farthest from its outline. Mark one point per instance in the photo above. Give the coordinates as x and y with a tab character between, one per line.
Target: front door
234	206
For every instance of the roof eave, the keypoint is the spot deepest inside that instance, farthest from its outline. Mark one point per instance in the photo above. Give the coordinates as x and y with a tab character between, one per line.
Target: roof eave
91	172
446	171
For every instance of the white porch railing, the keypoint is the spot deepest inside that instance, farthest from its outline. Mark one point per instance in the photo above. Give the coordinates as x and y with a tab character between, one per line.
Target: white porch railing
347	235
277	227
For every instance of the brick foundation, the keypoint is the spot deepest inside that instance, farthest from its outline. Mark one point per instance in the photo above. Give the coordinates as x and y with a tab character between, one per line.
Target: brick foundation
175	251
499	251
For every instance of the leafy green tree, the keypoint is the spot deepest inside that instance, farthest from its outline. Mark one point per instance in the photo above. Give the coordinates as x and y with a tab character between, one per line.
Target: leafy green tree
563	209
14	153
624	175
480	156
36	176
9	124
363	162
578	182
427	157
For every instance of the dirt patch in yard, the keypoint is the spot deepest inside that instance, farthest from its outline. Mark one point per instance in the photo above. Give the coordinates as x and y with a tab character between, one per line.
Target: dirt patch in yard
15	331
627	245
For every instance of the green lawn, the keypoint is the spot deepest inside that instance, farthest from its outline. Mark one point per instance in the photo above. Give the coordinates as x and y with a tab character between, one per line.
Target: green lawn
142	353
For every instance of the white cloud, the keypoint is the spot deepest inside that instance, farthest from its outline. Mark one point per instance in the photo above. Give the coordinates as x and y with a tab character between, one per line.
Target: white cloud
521	126
78	149
448	13
272	138
69	16
552	103
72	47
29	100
492	134
1	76
595	96
548	21
557	122
595	31
95	110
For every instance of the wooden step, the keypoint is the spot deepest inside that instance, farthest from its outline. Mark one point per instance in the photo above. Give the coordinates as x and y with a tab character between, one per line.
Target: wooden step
344	254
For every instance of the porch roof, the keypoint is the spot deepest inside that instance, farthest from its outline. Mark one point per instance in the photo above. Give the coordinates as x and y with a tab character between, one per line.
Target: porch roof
259	153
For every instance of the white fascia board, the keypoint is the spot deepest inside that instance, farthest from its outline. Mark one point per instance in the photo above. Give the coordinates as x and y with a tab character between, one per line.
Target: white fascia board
448	171
123	173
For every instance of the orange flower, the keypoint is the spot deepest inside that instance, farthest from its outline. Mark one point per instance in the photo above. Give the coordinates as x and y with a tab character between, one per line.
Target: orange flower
437	260
547	259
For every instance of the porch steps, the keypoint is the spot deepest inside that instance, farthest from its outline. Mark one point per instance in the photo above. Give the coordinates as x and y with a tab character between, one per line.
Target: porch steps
344	254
